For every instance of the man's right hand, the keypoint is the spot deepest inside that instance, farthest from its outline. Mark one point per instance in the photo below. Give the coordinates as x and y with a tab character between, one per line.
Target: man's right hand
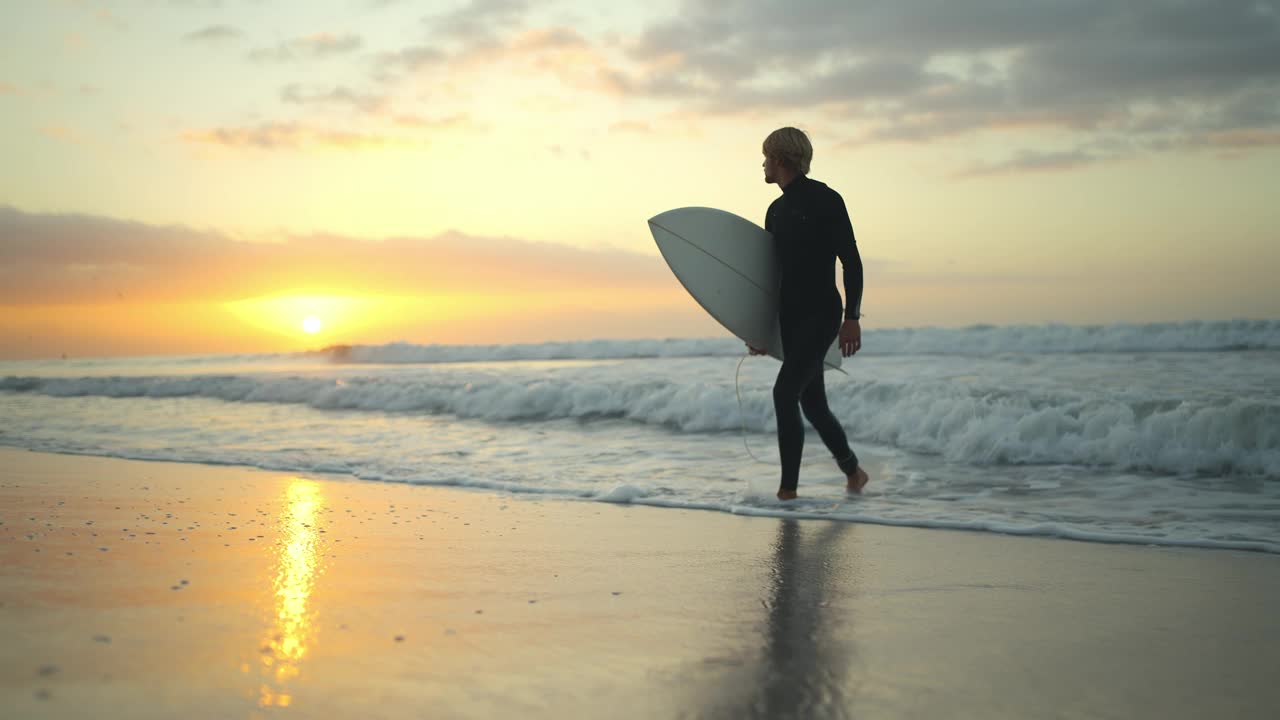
756	350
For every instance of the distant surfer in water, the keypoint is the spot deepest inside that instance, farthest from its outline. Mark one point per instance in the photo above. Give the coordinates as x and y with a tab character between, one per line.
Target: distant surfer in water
811	228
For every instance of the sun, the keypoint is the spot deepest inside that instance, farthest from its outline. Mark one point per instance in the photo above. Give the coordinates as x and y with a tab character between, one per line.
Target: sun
311	325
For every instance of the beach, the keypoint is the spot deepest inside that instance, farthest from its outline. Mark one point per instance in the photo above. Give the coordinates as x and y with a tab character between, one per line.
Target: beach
156	590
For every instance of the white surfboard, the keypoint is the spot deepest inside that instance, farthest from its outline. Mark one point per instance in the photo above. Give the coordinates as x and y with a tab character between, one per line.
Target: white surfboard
727	264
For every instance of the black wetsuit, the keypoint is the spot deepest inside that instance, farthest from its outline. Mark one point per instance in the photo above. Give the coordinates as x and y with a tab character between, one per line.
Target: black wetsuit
811	228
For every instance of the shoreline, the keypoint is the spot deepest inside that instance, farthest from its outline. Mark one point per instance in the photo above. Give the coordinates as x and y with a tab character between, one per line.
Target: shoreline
156	589
622	496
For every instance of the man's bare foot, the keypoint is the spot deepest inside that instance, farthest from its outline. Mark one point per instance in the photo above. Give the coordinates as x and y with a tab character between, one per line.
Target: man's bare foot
787	495
858	480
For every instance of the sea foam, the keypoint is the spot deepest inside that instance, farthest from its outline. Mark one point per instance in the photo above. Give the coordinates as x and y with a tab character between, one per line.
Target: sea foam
973	424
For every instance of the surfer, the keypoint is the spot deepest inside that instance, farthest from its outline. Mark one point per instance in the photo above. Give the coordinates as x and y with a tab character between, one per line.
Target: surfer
811	228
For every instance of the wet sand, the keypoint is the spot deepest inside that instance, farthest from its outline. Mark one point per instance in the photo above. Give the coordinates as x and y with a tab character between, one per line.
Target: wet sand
158	590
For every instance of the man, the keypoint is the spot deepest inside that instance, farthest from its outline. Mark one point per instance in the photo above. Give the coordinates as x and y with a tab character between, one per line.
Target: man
811	228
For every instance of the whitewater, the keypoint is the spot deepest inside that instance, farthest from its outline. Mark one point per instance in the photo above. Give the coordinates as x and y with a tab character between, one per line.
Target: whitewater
1162	434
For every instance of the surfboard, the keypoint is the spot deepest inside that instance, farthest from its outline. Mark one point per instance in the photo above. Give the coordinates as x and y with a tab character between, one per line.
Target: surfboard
727	264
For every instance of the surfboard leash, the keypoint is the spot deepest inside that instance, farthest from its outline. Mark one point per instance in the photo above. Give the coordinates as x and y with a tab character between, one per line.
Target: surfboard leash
742	416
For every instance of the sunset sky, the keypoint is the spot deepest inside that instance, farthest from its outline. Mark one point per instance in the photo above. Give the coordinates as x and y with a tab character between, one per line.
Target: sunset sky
203	175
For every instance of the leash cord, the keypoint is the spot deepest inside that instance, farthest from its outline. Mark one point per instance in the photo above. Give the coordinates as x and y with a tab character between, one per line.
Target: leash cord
742	415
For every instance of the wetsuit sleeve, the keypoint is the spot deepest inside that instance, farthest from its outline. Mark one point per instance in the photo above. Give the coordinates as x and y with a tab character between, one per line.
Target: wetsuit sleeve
846	248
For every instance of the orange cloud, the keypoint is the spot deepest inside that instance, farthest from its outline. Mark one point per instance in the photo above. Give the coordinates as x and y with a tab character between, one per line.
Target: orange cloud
51	258
460	121
340	95
1239	139
560	52
631	126
276	136
61	132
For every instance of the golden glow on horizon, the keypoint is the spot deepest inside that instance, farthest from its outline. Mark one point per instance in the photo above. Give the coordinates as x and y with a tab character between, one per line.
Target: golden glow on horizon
297	566
299	316
274	323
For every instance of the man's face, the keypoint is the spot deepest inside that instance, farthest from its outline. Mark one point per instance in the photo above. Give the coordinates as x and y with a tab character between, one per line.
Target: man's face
771	167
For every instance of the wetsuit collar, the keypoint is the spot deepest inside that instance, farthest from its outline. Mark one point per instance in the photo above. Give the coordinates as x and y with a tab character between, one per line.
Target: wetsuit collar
795	183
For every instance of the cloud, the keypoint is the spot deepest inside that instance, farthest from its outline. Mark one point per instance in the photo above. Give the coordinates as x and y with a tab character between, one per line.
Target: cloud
408	59
106	17
1138	77
478	32
290	136
460	121
631	126
1239	139
1115	78
69	258
479	21
314	47
340	96
556	52
389	131
213	34
61	133
923	70
380	124
102	15
1031	161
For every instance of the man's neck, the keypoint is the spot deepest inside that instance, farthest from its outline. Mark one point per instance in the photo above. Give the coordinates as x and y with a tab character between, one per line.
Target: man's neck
785	178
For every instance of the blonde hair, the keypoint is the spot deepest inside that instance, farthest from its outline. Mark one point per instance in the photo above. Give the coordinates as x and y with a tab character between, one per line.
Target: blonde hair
791	147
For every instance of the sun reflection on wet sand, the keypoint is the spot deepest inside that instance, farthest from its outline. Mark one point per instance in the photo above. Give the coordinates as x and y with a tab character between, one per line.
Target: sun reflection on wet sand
297	565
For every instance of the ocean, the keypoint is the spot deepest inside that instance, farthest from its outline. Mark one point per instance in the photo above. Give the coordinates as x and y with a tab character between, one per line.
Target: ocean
1159	434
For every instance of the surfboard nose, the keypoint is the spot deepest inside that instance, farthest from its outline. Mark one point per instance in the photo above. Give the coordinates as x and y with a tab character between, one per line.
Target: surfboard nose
662	219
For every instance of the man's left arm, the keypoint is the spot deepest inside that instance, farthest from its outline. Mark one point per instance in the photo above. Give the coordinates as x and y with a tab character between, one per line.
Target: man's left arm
846	247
